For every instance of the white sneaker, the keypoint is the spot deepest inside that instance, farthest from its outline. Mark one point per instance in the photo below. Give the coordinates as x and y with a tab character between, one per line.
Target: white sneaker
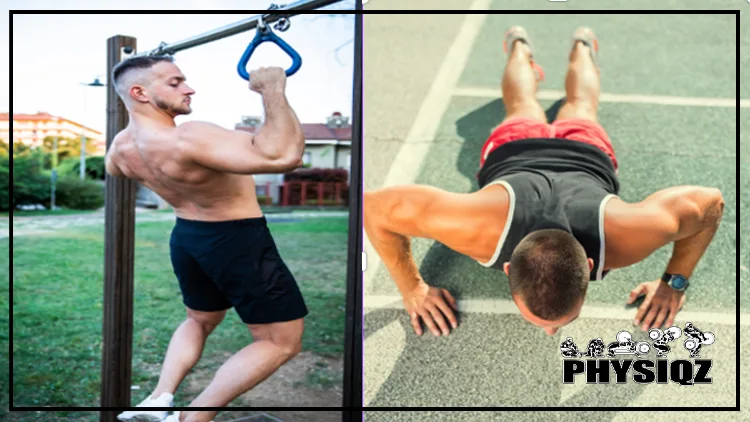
143	415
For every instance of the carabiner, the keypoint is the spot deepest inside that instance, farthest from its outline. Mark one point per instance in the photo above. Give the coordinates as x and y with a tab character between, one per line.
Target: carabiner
263	34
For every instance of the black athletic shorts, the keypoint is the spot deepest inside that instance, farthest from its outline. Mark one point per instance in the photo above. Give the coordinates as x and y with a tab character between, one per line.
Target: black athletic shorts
234	264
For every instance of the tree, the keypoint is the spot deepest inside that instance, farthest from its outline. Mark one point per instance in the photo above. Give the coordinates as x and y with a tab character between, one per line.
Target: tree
68	147
4	183
30	186
19	148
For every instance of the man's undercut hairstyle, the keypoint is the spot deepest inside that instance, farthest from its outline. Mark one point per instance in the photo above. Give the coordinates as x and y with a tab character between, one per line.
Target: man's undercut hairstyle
134	63
549	271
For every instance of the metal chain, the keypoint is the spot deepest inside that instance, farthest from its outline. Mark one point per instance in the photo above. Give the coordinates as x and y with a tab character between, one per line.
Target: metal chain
283	23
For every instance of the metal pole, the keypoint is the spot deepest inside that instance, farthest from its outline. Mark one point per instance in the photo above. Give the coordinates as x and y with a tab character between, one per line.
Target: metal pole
54	174
119	248
53	181
83	136
82	165
83	155
54	152
238	27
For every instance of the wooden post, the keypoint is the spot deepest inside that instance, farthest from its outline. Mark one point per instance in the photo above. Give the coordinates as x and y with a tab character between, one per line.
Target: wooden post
119	247
321	185
303	195
338	193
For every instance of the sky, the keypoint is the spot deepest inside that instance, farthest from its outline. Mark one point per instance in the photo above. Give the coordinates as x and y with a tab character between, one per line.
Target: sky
54	55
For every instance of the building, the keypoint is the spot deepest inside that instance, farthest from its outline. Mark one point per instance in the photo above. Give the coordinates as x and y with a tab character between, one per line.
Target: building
327	145
31	129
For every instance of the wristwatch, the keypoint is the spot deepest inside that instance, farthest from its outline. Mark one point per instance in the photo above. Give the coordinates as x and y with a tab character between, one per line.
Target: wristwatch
676	281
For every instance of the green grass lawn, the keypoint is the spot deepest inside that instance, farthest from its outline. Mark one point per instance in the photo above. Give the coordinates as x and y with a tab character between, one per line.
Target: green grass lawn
267	209
274	209
45	213
57	308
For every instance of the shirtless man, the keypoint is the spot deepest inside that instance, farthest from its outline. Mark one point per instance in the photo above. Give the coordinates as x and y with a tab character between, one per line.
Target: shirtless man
221	249
547	211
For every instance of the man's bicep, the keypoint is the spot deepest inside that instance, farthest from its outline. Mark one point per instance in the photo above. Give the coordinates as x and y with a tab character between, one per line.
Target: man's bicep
223	150
423	211
670	214
635	231
402	209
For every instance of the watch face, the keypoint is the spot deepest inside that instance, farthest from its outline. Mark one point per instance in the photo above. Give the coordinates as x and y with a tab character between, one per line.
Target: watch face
679	282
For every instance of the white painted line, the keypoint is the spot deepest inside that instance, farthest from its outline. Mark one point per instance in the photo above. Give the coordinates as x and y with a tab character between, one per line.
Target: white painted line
379	366
408	161
504	307
604	97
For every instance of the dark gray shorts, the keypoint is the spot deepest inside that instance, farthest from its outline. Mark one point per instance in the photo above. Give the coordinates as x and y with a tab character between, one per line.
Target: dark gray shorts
235	263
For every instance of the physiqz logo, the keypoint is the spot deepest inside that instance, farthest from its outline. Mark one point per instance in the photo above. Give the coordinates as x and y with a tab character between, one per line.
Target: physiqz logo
641	371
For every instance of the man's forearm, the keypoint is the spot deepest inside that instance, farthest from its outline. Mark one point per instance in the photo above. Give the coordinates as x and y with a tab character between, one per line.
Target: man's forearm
688	251
395	253
394	249
281	133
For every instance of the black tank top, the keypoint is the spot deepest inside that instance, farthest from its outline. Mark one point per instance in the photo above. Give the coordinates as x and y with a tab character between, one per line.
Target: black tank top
553	184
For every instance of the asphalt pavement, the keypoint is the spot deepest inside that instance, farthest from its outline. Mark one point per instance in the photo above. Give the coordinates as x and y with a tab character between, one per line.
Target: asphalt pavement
431	84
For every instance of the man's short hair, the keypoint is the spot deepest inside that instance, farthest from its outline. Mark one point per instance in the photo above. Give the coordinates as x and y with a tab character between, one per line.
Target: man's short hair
549	271
132	63
137	62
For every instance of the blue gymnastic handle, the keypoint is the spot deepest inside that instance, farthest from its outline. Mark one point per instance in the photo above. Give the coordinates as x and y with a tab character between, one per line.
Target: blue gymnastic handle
262	36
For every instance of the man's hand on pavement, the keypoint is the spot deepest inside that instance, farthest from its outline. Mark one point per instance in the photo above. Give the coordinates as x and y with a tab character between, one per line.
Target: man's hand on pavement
434	306
660	306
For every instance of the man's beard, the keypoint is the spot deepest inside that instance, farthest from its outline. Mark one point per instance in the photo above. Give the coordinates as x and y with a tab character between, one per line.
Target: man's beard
171	109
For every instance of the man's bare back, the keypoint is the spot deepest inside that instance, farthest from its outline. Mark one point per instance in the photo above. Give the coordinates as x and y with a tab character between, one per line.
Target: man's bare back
155	158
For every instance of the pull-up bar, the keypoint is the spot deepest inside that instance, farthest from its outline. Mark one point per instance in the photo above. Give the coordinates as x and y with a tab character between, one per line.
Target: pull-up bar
239	27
